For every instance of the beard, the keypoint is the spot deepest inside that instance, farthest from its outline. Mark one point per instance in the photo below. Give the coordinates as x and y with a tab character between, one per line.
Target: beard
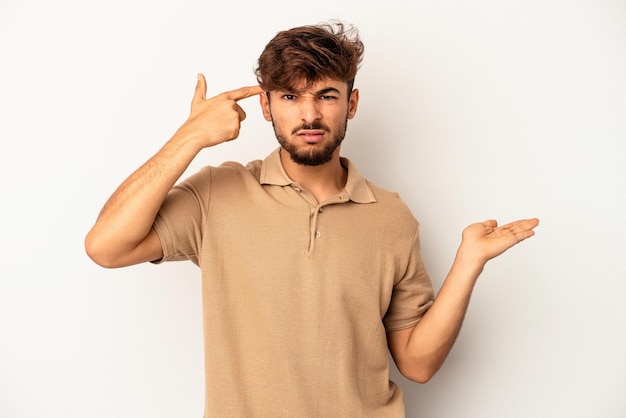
312	156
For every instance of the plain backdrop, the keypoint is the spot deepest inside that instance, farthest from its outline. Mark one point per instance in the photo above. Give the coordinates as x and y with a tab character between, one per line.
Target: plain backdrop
471	110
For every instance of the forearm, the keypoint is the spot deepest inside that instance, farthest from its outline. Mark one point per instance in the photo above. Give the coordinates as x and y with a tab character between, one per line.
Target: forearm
128	215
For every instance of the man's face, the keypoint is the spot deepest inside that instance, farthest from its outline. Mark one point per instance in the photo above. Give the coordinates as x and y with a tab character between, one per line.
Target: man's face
311	124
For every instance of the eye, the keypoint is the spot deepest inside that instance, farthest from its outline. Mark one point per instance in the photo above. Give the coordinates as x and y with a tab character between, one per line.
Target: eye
327	97
289	96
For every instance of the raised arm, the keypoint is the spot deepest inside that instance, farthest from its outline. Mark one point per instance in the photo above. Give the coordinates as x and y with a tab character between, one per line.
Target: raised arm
420	351
123	234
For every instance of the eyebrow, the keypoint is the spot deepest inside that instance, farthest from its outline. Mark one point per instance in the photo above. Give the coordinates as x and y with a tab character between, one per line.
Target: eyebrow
327	90
322	91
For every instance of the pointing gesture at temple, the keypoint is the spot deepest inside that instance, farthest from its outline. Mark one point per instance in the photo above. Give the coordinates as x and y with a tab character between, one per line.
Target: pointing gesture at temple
217	119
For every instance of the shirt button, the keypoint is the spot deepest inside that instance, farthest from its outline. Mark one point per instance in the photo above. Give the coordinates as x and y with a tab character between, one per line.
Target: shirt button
297	189
321	210
318	234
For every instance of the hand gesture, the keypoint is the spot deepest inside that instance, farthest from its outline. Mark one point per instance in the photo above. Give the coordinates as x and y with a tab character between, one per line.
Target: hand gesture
487	240
218	119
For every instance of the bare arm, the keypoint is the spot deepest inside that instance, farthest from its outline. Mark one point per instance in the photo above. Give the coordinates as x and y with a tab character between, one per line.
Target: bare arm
123	234
420	351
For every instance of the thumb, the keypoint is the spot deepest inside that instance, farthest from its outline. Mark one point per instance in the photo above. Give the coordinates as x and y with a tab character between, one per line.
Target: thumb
200	92
491	223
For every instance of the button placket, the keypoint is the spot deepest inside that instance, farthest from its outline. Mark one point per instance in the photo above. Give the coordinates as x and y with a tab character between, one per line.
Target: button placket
314	227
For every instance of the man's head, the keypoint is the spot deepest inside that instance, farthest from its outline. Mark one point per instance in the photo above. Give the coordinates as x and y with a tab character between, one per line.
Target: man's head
309	54
308	72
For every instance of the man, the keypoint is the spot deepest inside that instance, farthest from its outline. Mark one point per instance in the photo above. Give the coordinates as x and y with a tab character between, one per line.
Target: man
309	271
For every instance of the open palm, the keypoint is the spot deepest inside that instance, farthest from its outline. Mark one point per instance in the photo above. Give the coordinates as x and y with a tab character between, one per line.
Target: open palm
488	240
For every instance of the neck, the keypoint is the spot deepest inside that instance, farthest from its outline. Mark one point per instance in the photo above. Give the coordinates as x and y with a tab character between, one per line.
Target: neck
322	181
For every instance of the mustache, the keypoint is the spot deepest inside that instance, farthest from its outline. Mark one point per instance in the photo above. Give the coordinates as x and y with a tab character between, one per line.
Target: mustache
311	126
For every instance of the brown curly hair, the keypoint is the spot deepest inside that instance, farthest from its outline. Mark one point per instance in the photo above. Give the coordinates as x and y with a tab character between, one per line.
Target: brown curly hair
309	54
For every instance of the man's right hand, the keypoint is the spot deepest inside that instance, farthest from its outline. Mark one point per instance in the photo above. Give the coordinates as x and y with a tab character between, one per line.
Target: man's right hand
217	119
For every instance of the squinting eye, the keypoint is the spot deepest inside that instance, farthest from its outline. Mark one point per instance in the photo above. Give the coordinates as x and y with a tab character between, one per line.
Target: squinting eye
328	97
289	97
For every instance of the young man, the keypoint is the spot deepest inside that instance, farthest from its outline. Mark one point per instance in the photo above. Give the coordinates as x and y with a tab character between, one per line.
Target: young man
309	271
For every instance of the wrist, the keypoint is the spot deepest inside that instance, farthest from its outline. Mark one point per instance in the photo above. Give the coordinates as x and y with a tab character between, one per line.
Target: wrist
469	260
185	142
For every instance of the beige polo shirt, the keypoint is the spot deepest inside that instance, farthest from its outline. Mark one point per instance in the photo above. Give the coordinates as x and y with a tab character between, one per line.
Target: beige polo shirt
297	295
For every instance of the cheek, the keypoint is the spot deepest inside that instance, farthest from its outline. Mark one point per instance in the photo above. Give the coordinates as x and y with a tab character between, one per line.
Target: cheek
338	116
285	116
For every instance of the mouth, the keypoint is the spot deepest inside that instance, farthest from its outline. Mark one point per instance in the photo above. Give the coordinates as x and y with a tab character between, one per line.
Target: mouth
311	136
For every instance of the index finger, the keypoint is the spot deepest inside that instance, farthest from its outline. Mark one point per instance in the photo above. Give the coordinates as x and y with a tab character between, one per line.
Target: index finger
243	92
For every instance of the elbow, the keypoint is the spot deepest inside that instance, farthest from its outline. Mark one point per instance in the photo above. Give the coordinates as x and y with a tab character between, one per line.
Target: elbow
418	377
418	372
97	252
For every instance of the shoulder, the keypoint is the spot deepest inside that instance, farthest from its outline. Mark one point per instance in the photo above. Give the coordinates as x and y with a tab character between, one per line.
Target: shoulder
227	170
392	208
229	175
387	198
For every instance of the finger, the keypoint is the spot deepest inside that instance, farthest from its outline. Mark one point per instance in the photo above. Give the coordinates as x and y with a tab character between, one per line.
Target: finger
522	224
234	136
243	92
200	92
242	114
525	234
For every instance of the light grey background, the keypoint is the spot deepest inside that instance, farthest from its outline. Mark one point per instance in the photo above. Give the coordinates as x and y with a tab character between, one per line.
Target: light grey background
470	109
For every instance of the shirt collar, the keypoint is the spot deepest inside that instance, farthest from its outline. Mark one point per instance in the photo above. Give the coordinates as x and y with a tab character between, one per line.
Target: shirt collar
273	173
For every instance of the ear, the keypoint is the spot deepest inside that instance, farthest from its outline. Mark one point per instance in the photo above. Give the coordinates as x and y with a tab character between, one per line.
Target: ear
265	106
353	103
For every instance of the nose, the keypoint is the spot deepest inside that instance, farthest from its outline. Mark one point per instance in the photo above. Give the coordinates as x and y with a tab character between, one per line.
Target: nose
309	109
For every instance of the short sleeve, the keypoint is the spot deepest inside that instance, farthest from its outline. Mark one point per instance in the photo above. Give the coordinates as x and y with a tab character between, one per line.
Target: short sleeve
179	222
412	295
